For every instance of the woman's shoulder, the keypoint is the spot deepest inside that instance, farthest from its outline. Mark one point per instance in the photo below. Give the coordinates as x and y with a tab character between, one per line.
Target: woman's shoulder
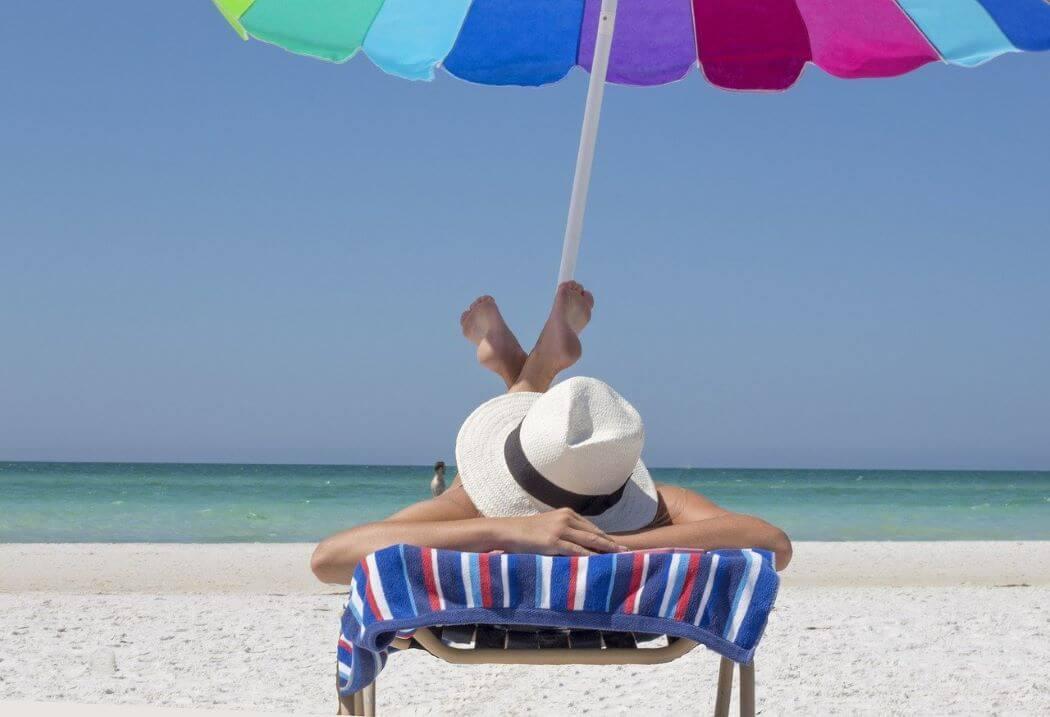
459	500
685	506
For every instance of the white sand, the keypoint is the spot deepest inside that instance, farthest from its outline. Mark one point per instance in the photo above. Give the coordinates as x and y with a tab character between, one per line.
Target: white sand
860	628
81	709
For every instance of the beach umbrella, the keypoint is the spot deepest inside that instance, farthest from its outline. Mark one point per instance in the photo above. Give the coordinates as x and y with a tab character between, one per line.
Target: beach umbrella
751	45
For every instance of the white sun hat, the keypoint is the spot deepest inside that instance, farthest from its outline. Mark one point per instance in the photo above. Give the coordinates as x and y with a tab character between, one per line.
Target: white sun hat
578	445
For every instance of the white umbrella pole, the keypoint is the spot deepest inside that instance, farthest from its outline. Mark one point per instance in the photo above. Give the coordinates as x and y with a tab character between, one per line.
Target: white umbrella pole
588	137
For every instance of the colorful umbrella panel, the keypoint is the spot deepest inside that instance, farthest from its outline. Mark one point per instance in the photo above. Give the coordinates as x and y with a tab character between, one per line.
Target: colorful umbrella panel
754	45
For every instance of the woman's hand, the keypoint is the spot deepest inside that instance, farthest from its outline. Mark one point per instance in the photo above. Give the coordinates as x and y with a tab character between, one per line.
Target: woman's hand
556	532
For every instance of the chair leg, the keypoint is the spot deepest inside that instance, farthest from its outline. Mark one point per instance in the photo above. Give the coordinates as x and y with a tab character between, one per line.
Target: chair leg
346	705
352	704
725	687
747	690
368	695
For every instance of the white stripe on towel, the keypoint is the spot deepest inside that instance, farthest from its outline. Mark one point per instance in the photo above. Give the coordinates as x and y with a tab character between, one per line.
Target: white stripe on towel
357	606
672	575
754	566
468	588
546	564
504	570
581	584
437	578
377	588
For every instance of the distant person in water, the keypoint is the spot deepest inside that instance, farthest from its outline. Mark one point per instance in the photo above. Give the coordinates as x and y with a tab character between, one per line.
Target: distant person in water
437	483
555	471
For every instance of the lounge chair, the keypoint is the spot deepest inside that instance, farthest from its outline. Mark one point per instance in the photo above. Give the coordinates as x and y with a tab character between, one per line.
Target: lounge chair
640	608
592	649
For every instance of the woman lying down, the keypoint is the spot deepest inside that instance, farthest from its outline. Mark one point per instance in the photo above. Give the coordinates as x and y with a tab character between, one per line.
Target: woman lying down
555	471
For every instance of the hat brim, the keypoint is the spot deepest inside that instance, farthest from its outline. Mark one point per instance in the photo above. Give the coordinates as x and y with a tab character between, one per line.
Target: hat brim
493	490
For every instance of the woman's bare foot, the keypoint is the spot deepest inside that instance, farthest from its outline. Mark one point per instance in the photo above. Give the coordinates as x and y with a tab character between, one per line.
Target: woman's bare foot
498	349
559	346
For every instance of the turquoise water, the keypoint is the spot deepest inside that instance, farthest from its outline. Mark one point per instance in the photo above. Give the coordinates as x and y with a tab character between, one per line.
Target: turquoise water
123	502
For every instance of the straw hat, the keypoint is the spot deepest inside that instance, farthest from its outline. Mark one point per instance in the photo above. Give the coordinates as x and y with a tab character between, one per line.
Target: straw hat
578	445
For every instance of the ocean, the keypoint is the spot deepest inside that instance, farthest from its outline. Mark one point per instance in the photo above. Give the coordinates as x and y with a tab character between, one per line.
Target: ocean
221	503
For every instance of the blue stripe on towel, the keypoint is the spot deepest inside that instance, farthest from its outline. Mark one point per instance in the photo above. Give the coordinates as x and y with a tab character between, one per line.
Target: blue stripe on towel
414	570
720	600
599	576
451	577
560	584
475	578
408	581
496	580
394	587
537	599
622	582
612	583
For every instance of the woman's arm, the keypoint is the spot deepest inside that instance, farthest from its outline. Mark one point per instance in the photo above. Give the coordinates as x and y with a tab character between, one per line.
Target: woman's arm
450	521
696	522
443	522
728	531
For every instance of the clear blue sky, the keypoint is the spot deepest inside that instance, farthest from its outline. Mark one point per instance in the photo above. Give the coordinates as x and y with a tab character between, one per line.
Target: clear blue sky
212	250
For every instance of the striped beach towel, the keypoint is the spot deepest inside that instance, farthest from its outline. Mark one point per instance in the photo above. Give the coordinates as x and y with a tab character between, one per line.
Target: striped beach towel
718	598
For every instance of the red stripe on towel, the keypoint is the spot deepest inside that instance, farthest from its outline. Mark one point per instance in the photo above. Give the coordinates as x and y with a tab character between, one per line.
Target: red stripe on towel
570	598
429	580
693	567
486	580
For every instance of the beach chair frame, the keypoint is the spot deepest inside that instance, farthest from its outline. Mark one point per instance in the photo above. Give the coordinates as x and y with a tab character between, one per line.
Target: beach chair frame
363	702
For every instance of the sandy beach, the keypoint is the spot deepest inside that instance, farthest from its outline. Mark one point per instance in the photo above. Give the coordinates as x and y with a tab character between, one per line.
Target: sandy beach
860	628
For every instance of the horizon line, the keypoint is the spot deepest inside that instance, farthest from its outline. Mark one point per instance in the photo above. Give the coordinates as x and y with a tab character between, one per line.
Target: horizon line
206	462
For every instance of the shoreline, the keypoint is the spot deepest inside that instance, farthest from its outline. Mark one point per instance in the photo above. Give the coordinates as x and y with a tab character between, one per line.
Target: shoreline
283	568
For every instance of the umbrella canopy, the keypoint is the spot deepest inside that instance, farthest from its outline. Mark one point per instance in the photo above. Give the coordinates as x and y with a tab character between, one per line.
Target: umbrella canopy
755	45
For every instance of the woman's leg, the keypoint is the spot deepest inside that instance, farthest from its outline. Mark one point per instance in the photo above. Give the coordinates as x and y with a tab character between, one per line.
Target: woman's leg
557	349
558	346
498	348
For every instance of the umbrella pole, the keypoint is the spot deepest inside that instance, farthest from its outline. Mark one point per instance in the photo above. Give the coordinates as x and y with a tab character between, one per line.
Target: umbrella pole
588	136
